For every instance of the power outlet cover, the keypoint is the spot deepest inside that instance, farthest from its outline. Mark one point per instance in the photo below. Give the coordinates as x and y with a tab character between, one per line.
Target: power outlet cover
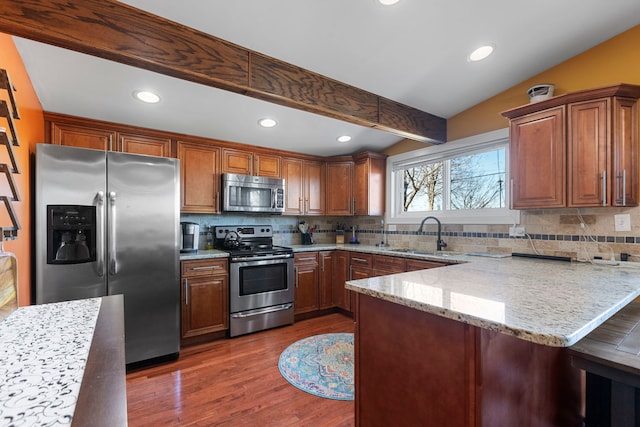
622	222
516	231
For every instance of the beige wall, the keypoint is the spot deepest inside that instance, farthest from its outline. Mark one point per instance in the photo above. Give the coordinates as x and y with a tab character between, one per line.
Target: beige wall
614	61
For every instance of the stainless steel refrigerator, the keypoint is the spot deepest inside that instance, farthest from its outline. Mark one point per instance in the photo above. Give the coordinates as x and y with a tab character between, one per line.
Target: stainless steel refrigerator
107	223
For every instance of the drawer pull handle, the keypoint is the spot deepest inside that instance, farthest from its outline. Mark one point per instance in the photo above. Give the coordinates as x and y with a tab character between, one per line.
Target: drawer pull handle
359	259
211	267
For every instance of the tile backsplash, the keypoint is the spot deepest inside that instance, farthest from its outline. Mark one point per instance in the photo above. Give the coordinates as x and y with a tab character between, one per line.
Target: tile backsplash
550	232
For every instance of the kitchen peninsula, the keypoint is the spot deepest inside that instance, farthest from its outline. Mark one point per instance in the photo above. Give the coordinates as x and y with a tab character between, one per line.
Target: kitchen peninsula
482	343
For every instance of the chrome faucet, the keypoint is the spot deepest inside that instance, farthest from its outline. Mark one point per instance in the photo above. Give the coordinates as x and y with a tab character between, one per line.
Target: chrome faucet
439	243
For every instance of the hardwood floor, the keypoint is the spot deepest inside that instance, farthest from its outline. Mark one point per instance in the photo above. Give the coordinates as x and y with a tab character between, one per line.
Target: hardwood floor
235	382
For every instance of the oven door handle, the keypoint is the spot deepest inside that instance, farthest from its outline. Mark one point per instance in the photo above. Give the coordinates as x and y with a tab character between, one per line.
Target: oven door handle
266	258
257	312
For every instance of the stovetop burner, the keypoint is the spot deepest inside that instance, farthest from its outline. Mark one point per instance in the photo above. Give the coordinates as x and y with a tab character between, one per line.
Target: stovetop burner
248	241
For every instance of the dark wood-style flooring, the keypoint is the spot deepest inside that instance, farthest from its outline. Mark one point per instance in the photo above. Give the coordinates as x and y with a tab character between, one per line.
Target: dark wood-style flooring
235	382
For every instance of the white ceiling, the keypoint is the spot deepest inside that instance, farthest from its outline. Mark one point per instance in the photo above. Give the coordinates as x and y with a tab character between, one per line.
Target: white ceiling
413	52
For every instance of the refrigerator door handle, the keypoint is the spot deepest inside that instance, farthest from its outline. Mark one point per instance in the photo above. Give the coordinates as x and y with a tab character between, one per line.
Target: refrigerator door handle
100	243
113	262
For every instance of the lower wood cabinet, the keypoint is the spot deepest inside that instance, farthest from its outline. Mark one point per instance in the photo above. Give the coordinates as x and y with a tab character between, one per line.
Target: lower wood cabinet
306	282
205	296
341	273
325	290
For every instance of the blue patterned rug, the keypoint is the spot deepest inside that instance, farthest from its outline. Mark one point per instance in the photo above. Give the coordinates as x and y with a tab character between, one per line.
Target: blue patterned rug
321	365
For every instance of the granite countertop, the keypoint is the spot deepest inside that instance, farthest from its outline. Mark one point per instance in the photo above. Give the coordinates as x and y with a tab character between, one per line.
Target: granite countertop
44	349
203	254
546	302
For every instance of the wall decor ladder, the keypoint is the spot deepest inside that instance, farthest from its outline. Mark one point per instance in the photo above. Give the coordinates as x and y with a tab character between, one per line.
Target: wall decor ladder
9	141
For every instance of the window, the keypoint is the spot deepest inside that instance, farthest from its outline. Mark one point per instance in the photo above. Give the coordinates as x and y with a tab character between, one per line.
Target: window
462	181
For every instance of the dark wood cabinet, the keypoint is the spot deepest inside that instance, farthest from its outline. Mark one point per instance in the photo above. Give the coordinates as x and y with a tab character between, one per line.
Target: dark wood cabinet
205	296
306	282
340	188
576	150
199	177
341	274
326	279
305	186
250	163
383	265
369	184
420	264
361	265
537	156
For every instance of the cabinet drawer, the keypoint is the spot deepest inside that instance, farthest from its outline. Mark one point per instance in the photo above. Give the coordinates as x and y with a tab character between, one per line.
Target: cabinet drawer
204	267
417	264
361	260
389	263
305	258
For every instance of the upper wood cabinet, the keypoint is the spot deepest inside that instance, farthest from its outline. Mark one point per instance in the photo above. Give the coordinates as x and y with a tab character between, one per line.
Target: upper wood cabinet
147	145
250	163
85	133
537	156
369	184
576	150
199	177
304	186
82	136
340	185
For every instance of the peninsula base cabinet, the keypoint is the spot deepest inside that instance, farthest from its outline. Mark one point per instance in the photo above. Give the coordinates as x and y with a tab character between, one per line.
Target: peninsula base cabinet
443	372
205	297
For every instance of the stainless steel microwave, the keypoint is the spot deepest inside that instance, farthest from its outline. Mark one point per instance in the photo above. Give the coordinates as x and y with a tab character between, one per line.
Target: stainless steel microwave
243	193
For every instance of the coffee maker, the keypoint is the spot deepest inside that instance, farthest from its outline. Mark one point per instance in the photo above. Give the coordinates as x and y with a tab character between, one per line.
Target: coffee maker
189	236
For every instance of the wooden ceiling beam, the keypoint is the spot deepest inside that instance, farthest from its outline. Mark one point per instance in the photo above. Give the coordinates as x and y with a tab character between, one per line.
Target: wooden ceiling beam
121	33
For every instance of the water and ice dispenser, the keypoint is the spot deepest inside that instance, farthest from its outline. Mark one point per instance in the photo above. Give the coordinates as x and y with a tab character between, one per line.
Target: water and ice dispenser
71	234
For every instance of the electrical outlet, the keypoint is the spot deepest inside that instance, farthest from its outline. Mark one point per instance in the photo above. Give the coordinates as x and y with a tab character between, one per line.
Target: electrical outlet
391	227
622	222
516	231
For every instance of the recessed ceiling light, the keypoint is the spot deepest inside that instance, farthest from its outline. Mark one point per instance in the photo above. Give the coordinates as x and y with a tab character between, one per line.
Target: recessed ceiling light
344	138
480	53
267	123
146	96
388	2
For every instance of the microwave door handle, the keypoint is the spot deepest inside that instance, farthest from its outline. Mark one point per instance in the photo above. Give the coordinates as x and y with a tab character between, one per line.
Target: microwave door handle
274	198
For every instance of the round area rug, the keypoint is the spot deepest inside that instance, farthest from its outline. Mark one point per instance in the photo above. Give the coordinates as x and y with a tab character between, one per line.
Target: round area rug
321	365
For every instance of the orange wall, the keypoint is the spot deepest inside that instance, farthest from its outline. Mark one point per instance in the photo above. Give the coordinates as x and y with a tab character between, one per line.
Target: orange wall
616	60
30	130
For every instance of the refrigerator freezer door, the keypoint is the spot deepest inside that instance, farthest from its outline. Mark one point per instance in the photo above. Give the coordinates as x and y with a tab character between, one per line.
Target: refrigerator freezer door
143	251
68	176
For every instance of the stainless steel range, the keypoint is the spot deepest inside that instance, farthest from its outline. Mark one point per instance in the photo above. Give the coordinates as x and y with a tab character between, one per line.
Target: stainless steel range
261	278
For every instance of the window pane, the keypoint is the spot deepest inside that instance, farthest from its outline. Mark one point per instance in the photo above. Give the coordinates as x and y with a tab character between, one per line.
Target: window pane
477	181
423	188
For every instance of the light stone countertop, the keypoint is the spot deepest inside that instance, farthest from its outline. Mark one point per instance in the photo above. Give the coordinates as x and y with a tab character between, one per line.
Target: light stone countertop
552	303
203	254
43	352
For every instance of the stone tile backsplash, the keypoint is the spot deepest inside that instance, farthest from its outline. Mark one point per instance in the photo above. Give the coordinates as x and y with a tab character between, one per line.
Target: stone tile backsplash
549	232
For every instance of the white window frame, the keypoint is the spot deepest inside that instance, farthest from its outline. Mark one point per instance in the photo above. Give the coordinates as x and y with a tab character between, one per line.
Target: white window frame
461	147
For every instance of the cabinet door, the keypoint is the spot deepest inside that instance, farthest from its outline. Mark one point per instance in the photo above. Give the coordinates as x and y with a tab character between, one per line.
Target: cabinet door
204	305
292	173
236	161
314	185
369	186
82	136
383	265
625	152
588	148
306	281
340	183
139	144
341	296
537	160
326	279
199	178
267	165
